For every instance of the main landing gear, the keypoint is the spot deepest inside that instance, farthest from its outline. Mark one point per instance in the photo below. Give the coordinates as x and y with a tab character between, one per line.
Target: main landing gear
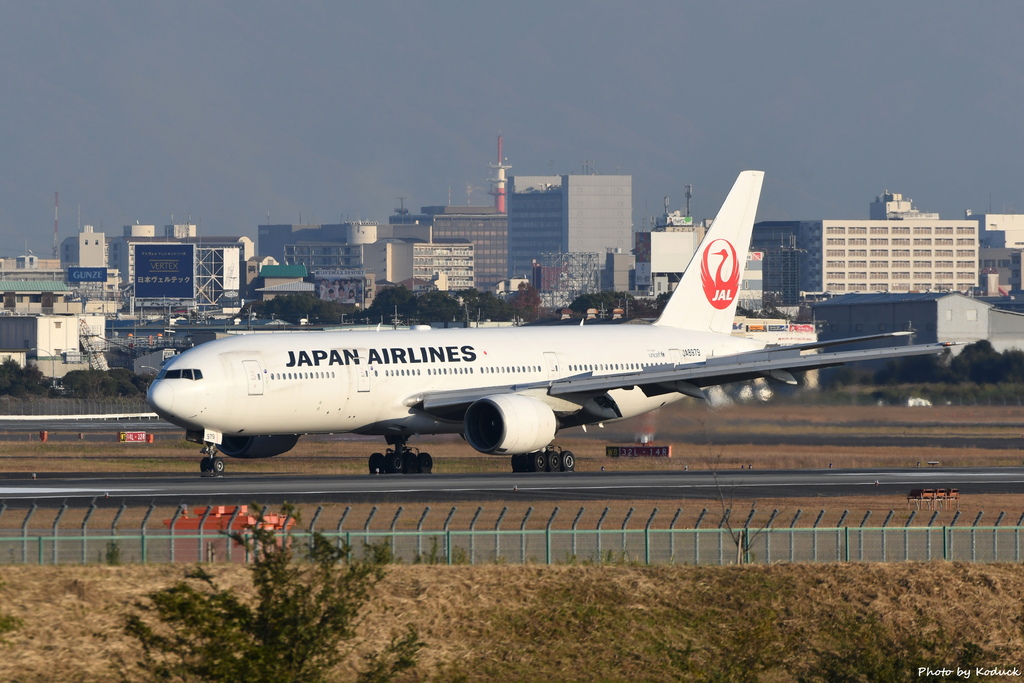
551	459
211	465
400	459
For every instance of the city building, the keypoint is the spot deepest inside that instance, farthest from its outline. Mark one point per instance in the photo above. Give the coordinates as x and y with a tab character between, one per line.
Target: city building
567	214
55	344
87	249
909	252
890	206
485	227
782	261
273	238
662	253
446	263
277	281
999	230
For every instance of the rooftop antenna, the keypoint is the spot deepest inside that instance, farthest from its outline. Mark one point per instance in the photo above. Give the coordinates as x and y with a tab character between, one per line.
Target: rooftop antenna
401	210
689	193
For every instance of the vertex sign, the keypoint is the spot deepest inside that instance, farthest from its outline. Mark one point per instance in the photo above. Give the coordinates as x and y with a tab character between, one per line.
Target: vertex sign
164	271
87	274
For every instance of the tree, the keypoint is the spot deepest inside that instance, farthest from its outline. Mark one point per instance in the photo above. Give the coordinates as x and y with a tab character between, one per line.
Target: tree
103	383
294	629
477	305
599	300
295	307
526	302
436	307
21	382
390	299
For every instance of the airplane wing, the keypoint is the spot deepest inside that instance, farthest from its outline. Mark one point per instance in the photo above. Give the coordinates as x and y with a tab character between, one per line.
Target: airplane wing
775	362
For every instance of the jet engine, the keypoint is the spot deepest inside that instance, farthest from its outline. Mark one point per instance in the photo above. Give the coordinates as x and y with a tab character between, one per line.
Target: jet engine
257	446
509	424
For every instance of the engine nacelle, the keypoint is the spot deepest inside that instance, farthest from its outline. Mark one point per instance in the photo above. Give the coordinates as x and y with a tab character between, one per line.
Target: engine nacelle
509	424
257	446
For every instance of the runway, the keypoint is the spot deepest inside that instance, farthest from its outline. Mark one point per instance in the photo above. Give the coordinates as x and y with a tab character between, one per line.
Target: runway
105	489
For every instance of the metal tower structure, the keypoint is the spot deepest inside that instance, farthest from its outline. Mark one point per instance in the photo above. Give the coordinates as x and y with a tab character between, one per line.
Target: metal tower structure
498	190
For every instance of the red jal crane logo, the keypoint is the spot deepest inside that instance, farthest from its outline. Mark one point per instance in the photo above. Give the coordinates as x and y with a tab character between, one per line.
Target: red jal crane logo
720	256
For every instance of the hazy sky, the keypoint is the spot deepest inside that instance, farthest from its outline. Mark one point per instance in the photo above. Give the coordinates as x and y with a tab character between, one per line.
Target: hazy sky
232	111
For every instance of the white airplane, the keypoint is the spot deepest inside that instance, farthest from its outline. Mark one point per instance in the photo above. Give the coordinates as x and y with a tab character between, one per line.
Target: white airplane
507	391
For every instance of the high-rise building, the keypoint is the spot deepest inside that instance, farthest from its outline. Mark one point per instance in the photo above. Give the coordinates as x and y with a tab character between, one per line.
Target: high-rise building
485	227
567	214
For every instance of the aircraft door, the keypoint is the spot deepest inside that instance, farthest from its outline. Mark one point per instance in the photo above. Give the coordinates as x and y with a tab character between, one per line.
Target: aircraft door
675	356
551	364
253	377
363	372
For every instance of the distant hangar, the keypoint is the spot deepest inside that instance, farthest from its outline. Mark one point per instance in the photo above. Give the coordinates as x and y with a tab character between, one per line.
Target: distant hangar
932	316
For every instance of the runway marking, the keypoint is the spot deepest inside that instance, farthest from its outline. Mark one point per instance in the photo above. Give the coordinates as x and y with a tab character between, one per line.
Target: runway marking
4	491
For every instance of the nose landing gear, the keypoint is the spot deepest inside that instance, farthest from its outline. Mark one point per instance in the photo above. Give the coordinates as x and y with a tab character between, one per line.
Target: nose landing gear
211	465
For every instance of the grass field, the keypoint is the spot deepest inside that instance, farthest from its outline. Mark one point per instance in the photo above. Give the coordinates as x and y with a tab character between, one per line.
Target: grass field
588	622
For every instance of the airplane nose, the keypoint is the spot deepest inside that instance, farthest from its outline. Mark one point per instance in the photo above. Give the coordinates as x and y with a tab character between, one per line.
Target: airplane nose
161	397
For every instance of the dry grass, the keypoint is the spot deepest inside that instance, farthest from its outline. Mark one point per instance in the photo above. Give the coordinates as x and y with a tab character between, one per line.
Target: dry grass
569	623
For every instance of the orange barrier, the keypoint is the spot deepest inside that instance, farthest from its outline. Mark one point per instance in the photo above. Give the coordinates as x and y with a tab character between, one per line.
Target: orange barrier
933	498
220	518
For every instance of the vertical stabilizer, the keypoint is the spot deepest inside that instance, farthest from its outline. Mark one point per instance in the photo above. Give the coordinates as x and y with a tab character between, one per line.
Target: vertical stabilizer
706	296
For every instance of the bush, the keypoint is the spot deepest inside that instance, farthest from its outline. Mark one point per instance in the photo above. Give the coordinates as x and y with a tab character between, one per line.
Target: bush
292	630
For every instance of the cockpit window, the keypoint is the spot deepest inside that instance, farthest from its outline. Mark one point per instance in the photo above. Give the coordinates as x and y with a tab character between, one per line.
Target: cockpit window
185	373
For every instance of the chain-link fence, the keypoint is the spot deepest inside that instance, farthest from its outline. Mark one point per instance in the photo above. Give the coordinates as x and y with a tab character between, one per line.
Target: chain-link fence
149	535
72	406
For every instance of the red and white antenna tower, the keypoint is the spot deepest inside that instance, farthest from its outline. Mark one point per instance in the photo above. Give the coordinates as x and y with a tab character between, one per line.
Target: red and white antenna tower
56	204
498	190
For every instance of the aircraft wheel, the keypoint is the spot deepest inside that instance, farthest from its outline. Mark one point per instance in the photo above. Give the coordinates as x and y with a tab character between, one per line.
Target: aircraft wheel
377	463
393	462
538	461
568	461
554	461
520	462
217	466
206	465
425	463
409	464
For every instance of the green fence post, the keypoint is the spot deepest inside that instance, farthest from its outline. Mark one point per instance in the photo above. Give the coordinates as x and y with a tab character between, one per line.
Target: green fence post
142	530
40	562
547	533
647	537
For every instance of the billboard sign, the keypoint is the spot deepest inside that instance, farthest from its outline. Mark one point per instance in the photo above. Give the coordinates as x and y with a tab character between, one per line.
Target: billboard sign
165	271
341	286
87	274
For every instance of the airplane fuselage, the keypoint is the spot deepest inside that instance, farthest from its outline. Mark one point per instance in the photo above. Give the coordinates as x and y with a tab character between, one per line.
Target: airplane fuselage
372	382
